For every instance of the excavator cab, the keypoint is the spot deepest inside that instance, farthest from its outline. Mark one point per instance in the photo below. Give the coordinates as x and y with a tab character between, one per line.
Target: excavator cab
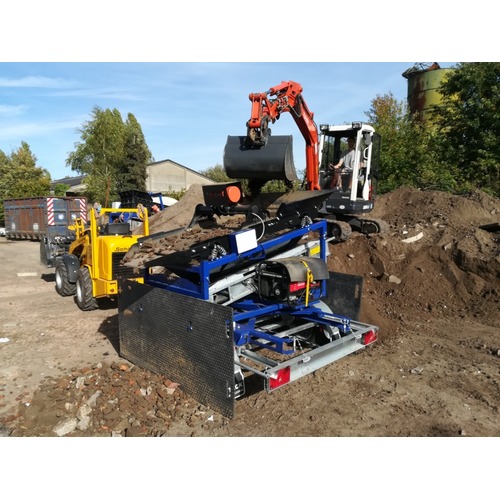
363	170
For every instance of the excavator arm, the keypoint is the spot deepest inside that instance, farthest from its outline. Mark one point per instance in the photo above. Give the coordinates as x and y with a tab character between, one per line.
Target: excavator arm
265	109
245	156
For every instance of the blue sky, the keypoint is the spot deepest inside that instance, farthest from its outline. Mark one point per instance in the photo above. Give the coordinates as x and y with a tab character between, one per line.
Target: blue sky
186	110
185	70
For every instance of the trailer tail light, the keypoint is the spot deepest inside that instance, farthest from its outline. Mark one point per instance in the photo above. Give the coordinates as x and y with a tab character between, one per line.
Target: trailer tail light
297	286
282	378
370	337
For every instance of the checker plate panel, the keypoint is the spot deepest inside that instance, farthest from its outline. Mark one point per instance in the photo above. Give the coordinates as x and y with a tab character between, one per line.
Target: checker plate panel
188	340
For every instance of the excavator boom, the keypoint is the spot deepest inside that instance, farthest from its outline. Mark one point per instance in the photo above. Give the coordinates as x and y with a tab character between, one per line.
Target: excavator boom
259	156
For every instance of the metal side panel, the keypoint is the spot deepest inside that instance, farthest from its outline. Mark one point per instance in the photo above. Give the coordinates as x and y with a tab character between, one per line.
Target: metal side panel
344	294
188	340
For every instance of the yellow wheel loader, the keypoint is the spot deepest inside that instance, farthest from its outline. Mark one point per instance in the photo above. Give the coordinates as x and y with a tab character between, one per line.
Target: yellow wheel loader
88	262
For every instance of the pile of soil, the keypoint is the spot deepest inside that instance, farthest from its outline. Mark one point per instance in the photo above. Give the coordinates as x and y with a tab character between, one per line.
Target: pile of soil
431	283
180	226
435	259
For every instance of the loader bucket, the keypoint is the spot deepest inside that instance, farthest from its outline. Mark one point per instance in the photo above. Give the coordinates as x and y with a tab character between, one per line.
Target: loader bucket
272	161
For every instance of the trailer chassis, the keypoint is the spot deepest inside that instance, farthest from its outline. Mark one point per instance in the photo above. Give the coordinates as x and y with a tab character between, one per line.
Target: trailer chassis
279	341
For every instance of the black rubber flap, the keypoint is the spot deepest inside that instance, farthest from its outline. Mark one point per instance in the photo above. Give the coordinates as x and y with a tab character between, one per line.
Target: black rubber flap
344	294
186	339
272	161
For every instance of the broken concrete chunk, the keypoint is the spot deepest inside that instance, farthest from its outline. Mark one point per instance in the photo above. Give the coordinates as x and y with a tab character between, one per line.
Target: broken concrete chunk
413	238
65	427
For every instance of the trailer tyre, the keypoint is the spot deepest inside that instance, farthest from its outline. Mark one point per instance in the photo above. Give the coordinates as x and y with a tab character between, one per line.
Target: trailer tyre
63	286
84	298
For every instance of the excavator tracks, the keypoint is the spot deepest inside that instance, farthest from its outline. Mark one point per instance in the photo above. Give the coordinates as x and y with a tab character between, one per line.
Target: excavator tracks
340	231
373	226
341	228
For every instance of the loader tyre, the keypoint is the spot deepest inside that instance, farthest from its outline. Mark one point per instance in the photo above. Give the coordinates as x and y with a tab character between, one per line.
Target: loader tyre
43	252
63	286
84	298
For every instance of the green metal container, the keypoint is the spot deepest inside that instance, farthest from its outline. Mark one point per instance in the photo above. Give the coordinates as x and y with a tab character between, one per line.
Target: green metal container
424	81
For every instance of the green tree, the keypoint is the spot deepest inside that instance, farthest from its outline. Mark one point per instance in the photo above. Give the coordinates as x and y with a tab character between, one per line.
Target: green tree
218	174
177	195
20	177
4	186
406	156
132	170
108	156
468	121
61	189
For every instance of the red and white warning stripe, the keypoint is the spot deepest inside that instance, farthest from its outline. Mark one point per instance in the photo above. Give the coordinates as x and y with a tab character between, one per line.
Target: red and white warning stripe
50	211
83	209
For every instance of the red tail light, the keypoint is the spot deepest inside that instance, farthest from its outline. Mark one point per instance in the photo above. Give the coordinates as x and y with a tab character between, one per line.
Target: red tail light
297	285
282	378
370	337
301	285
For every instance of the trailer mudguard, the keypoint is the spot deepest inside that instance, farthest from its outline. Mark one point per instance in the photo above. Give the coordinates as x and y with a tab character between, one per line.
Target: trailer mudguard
72	264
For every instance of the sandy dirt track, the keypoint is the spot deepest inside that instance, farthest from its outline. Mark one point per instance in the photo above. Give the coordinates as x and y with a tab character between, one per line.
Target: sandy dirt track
435	370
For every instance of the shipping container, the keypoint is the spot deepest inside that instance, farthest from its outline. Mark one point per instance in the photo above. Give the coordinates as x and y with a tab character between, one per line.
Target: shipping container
34	218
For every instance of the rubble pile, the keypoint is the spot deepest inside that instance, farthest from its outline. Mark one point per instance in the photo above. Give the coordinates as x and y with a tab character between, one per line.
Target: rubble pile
118	400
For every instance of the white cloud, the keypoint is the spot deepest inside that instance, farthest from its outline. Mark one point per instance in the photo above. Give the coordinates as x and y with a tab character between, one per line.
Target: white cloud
12	110
35	82
29	130
103	93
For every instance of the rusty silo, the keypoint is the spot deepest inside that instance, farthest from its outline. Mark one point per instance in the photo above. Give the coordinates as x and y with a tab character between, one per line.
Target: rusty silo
424	79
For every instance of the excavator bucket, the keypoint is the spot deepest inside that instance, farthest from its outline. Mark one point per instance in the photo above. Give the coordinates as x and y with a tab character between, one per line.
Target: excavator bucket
274	160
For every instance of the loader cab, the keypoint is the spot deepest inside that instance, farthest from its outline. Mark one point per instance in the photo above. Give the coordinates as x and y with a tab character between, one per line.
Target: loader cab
116	229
